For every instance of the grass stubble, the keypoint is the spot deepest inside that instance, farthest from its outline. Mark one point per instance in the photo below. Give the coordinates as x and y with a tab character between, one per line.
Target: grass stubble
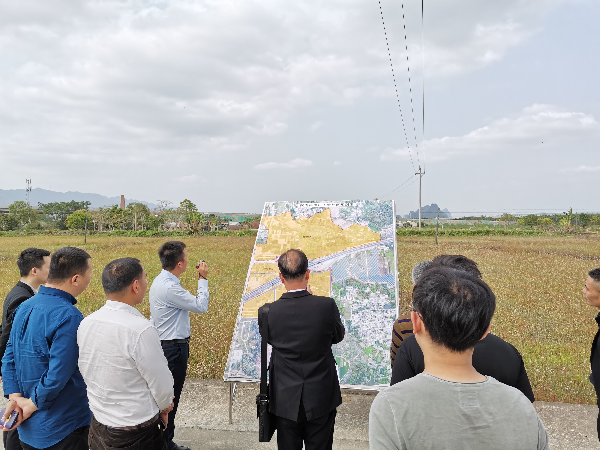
537	281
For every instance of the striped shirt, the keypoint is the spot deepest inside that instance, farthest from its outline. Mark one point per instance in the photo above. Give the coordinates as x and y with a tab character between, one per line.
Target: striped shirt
401	330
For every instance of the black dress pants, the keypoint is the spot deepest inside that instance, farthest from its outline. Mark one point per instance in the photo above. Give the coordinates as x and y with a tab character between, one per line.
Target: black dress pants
317	434
177	357
150	437
77	440
11	440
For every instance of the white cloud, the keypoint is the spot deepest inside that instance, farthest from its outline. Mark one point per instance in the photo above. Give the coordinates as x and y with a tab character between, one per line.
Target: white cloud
297	163
583	168
535	128
337	163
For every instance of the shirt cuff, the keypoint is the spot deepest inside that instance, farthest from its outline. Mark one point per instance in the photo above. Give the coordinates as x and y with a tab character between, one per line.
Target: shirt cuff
202	284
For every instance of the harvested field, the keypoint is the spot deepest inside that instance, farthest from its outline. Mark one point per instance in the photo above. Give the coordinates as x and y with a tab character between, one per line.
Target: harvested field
537	281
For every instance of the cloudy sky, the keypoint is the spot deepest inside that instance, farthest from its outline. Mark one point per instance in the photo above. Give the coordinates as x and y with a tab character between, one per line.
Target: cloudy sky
232	103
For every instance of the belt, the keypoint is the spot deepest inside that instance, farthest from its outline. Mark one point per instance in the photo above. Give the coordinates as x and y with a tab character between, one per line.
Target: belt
137	427
176	341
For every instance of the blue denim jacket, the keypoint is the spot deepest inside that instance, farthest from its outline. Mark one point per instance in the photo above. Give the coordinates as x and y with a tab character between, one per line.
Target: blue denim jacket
41	363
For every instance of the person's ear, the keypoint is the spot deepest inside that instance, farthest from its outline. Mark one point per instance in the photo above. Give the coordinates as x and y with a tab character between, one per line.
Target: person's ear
75	280
416	321
486	332
282	279
307	274
135	287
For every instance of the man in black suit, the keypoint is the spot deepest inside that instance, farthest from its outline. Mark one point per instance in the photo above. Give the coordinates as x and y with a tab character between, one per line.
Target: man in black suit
34	265
304	389
591	291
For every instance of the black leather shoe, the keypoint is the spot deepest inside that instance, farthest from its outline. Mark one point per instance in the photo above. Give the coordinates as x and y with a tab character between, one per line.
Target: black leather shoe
173	446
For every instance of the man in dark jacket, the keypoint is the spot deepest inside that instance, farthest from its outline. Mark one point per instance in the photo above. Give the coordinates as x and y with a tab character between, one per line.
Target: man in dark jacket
591	291
492	356
304	388
33	264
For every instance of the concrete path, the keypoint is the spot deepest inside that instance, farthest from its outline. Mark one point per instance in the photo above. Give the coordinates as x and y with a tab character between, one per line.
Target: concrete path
203	420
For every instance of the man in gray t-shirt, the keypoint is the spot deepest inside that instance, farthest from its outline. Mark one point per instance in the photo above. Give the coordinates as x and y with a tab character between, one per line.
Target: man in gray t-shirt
450	405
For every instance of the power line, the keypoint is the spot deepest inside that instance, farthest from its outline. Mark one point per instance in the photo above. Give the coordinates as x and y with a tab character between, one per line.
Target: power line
410	85
423	74
396	86
412	177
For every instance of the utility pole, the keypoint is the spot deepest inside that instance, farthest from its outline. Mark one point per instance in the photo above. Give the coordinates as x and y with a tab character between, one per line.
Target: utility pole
420	173
28	190
86	218
437	225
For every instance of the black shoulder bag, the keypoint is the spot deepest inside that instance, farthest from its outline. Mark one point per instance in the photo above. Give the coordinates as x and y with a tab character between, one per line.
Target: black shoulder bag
266	420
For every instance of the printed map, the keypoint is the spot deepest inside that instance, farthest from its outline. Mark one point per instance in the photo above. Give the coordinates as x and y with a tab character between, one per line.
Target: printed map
351	248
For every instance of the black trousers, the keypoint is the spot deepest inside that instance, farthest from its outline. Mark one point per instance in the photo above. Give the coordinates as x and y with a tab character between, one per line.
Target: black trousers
11	440
151	437
317	434
177	357
77	440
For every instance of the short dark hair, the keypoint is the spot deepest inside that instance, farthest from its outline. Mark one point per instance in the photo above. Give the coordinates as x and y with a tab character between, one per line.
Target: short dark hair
120	273
170	253
455	306
67	262
458	262
595	274
30	258
293	264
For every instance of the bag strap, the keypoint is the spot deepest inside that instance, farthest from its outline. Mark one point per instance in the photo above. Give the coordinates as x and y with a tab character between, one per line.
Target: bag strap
263	348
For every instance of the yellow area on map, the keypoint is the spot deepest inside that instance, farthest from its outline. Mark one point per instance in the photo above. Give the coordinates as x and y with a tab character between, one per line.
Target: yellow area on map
317	236
262	273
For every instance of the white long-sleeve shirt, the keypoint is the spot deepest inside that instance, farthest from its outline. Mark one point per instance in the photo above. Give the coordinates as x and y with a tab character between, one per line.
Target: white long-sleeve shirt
170	305
123	365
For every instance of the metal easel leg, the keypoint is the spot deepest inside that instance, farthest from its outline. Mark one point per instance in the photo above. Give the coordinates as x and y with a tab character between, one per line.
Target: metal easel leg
232	390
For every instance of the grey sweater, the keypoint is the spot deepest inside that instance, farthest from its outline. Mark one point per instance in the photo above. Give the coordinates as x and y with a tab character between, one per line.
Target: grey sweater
425	412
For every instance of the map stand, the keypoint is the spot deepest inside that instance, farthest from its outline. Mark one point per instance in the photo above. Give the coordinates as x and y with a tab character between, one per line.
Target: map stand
232	391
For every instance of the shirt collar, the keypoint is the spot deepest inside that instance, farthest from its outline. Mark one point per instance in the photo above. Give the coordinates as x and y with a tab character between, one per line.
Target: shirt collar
58	293
167	274
297	290
120	306
32	288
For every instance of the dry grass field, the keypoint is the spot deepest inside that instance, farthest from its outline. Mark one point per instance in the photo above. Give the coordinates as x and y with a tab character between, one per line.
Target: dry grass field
537	281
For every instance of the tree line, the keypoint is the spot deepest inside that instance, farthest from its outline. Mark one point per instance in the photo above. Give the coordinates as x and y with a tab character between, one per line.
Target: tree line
135	217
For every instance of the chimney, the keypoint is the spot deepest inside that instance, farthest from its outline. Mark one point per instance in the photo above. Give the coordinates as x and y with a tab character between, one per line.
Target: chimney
122	201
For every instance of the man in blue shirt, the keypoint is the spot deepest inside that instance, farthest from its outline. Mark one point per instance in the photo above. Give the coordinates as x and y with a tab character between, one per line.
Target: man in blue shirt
39	369
170	306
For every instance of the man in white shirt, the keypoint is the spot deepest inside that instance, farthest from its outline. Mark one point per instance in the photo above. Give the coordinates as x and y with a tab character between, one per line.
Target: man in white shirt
450	404
170	307
129	385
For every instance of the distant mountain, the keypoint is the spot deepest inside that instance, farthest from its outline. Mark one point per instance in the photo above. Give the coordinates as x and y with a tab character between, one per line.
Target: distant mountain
38	195
429	212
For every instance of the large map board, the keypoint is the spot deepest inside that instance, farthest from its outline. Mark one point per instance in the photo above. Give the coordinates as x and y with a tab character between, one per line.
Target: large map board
351	247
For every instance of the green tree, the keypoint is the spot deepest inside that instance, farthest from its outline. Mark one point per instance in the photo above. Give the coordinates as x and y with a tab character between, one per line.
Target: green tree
566	219
139	214
76	221
9	222
507	218
59	211
545	221
584	219
529	220
191	217
24	214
